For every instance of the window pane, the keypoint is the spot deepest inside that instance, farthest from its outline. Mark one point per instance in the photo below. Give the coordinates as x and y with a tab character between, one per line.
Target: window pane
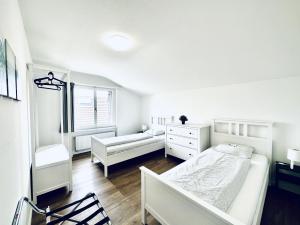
104	107
84	107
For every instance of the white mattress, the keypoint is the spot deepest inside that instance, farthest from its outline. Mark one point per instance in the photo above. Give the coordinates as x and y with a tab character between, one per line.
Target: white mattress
125	147
213	176
244	205
119	140
51	154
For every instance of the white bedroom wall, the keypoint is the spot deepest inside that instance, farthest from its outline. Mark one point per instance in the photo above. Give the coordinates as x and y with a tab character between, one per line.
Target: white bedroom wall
14	129
275	100
128	108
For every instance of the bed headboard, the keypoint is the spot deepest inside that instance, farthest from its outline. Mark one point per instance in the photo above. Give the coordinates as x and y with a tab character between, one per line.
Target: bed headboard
161	121
257	134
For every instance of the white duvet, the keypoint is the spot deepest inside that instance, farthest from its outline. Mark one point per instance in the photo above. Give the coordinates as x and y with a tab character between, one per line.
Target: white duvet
125	147
113	141
213	176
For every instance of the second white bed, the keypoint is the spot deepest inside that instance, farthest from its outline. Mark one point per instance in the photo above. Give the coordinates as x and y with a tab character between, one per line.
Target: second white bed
251	191
119	151
170	204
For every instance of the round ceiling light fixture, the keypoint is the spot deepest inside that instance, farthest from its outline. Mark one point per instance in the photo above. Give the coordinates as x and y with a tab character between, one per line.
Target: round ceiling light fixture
118	42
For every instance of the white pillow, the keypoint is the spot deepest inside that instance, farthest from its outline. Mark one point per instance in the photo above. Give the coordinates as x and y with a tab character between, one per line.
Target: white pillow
149	132
155	132
243	151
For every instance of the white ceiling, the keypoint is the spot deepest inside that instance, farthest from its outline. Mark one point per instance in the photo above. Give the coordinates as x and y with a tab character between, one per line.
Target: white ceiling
179	44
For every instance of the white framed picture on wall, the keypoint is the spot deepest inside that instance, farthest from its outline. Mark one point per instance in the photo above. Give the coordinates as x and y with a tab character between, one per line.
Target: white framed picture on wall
3	77
11	72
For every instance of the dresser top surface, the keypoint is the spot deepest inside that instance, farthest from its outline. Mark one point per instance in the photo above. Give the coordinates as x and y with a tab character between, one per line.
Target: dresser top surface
189	125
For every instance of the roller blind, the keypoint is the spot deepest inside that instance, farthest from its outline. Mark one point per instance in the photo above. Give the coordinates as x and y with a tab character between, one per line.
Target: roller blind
93	107
104	107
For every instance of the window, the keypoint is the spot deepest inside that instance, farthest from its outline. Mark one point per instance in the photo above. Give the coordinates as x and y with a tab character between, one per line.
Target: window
94	107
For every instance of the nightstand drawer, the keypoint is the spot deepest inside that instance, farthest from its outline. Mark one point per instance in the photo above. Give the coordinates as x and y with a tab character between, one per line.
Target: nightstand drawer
180	151
182	131
187	142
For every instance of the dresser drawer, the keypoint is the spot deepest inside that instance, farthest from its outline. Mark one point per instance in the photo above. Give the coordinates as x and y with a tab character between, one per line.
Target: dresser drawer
183	131
180	151
187	142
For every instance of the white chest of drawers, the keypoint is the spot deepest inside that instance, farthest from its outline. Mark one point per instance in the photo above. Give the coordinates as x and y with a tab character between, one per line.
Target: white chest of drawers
185	141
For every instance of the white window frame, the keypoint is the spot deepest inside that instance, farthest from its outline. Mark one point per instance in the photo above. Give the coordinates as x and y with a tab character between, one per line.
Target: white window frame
114	107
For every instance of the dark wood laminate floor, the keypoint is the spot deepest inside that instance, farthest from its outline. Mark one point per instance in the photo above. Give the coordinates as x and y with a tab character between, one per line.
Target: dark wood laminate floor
281	208
120	193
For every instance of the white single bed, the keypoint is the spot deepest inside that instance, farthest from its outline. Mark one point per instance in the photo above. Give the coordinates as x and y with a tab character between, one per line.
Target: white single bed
172	204
110	151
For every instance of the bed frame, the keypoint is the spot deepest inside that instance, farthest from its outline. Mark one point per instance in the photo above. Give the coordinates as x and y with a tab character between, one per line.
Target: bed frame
172	205
99	151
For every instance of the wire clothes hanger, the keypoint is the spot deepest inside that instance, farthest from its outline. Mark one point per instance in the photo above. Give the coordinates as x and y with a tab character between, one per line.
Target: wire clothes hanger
50	82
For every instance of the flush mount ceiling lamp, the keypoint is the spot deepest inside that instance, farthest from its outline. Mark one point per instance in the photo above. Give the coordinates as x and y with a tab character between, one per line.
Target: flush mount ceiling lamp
118	42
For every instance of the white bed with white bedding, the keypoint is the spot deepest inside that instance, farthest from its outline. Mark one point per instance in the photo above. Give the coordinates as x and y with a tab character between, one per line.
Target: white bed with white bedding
215	177
110	151
215	187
